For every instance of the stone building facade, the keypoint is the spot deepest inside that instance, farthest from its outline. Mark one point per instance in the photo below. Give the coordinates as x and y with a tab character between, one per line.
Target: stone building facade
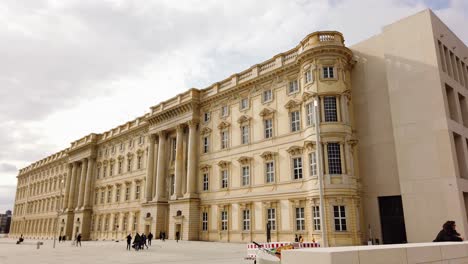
220	163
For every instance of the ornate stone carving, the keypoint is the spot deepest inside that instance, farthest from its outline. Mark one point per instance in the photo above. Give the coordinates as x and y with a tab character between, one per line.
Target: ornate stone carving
266	112
244	160
205	167
295	150
243	119
268	155
223	164
292	104
223	125
205	131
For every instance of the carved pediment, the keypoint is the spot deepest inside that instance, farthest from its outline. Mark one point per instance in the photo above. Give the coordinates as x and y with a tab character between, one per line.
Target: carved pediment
223	164
140	152
243	119
120	158
129	155
309	144
267	112
294	150
205	130
205	167
292	104
268	155
244	160
308	95
223	125
112	161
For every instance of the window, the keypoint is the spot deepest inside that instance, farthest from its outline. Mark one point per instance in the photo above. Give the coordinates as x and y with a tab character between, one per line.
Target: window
205	221
297	168
245	175
109	195
313	163
316	217
206	144
205	181
224	111
102	197
308	76
224	221
206	117
111	169
120	166
172	179
224	139
334	158
96	197
137	192
300	220
224	179
130	143
125	222
244	103
135	222
328	72
129	165
139	161
141	140
114	227
310	114
117	194
339	217
329	105
246	220
99	224
295	121
270	171
104	171
113	149
173	149
271	218
244	134
121	146
268	124
127	193
293	86
267	96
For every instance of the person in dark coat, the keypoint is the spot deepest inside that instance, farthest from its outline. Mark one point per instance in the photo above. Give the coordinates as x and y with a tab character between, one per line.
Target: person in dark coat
129	242
60	239
136	242
78	240
448	233
177	236
150	237
143	241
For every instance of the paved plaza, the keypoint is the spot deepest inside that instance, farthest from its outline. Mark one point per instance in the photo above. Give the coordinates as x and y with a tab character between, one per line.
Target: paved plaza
115	253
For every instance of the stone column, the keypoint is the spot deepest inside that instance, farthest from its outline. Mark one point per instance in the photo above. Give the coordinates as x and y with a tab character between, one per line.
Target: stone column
72	181
130	222
161	166
192	164
179	162
81	189
344	108
150	168
67	186
89	177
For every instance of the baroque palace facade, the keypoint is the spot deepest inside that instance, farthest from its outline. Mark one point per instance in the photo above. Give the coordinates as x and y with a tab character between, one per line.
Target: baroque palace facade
220	163
216	164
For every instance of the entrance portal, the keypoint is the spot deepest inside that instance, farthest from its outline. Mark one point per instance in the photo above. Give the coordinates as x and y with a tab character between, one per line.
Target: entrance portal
392	220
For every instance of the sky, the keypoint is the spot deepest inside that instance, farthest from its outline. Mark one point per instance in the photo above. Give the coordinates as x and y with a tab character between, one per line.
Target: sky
69	68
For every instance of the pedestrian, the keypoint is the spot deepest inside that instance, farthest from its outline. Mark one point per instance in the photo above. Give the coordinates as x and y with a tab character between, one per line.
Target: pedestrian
163	236
60	239
177	236
296	239
448	233
150	236
143	241
160	235
301	239
136	242
78	240
129	241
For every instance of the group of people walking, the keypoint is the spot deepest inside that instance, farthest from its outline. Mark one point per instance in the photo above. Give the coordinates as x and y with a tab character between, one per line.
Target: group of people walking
139	242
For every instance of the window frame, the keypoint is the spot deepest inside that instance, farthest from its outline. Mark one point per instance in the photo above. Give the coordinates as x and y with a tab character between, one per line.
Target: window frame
339	218
205	221
268	131
245	134
224	179
295	121
271	217
245	177
270	173
313	163
316	219
246	220
327	74
293	87
297	167
269	98
300	219
224	220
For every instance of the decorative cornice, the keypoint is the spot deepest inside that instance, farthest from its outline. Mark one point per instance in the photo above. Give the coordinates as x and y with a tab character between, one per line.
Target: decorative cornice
243	119
292	104
266	112
223	125
205	131
244	160
295	150
204	167
268	155
223	164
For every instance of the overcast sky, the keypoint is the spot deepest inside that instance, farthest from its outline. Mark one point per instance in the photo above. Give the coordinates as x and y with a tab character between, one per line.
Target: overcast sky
69	68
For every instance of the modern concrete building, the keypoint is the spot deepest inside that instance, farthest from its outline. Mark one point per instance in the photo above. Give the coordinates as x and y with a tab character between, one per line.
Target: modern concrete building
5	221
220	163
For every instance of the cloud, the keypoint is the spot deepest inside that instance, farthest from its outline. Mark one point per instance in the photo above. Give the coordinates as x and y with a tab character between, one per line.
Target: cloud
74	67
5	167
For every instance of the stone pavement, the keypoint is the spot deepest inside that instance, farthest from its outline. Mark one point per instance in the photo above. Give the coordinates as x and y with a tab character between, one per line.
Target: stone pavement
98	252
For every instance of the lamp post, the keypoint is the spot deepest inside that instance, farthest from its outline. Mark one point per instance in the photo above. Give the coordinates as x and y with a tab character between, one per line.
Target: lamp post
318	144
58	211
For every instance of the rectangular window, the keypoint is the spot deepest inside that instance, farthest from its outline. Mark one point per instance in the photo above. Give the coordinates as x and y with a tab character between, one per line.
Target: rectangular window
135	223
111	169
139	161
224	111
313	163
98	173
121	146
206	144
114	227
129	165
300	220
104	171
99	224
173	149
268	123
271	218
127	193
316	217
113	149
308	76
96	197
245	175
293	86
224	179
120	166
328	72
267	96
137	192
125	222
244	103
141	140
130	143
310	114
102	197
224	139
334	158
205	221
224	221
295	121
205	182
339	217
206	117
245	134
172	178
246	220
117	194
297	168
270	171
109	196
329	105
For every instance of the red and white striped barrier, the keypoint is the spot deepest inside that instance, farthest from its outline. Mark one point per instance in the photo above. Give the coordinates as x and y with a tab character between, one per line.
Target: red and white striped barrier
252	248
